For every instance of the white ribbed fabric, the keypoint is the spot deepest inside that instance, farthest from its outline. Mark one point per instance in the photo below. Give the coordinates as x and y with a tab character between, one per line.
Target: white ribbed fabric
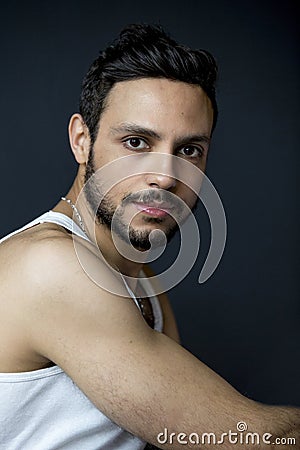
44	409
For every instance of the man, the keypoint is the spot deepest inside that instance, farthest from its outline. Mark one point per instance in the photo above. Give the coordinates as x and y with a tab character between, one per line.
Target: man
90	357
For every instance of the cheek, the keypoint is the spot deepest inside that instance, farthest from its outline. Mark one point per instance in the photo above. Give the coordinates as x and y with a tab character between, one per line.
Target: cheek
192	199
121	190
203	162
187	195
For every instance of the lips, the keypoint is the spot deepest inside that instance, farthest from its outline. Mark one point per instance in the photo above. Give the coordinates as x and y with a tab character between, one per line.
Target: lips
154	209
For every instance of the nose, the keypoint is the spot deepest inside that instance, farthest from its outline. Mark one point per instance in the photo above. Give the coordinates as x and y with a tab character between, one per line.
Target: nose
160	181
162	172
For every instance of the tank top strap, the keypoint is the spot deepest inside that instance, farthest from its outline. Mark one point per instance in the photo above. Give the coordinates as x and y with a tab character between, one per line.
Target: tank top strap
65	222
69	224
157	311
52	217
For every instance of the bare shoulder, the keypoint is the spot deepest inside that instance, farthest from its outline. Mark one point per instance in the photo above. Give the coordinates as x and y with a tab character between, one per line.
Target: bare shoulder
24	256
51	264
25	250
46	251
45	290
26	259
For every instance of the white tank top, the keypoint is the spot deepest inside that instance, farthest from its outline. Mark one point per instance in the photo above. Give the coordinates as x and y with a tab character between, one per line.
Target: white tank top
44	409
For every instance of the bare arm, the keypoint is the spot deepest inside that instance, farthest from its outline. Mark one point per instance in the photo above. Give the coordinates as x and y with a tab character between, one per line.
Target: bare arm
141	379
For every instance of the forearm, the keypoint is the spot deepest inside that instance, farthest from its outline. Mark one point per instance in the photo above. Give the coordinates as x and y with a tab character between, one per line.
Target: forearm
285	423
274	427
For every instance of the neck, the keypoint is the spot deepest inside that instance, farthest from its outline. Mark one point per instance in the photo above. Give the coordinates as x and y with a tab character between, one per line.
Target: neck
112	255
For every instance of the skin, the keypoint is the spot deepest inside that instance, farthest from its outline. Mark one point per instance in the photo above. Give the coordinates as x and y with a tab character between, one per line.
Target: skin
99	339
145	103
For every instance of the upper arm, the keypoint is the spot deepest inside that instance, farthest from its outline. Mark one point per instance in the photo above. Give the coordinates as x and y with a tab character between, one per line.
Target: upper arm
141	379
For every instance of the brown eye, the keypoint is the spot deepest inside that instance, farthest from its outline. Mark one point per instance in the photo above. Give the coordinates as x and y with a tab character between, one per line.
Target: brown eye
135	143
190	151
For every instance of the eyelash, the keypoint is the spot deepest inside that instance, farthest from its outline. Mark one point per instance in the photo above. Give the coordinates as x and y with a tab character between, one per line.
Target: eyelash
126	145
199	150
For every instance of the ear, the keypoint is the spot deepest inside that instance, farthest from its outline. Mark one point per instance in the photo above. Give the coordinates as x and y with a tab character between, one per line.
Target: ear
79	138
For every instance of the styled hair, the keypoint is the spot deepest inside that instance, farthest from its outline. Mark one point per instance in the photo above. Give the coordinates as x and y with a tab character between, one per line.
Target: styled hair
143	51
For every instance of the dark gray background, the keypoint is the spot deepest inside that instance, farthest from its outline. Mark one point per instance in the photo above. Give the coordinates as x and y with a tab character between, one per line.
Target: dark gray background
243	322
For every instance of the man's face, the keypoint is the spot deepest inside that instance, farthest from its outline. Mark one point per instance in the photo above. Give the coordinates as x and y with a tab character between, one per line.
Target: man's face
149	116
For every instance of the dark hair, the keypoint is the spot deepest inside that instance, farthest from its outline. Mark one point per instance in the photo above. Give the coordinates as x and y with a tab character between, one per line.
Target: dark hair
143	51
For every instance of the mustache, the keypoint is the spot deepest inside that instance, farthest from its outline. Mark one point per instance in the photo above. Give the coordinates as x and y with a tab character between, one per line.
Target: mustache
158	196
152	195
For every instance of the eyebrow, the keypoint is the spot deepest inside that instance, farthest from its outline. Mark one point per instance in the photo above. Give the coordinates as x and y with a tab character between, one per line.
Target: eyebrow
137	129
134	128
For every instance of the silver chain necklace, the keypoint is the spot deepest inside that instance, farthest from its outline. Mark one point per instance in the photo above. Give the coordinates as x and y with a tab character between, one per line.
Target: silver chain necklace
144	303
78	216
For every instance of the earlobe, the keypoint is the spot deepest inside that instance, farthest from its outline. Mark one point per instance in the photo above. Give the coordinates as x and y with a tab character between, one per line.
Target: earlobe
79	138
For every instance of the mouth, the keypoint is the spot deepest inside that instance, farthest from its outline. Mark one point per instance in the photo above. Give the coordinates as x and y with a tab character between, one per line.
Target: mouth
154	209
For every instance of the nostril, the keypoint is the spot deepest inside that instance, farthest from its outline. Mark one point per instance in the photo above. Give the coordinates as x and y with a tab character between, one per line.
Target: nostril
159	180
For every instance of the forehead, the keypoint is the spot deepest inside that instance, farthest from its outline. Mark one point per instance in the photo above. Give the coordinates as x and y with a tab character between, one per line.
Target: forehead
159	103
